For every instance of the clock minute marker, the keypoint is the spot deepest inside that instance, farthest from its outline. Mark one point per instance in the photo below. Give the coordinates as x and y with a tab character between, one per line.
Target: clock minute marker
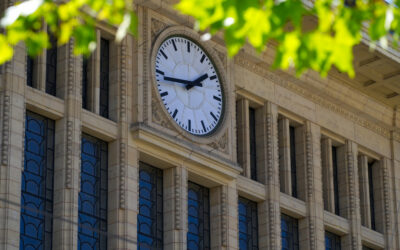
202	58
213	77
213	116
164	93
160	72
188	46
174	114
217	98
165	56
204	127
190	125
173	43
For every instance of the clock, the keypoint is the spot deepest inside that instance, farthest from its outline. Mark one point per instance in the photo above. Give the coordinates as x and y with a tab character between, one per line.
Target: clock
189	85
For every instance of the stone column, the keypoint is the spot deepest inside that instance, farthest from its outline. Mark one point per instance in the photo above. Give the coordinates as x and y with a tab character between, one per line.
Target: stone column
385	201
269	210
175	208
284	156
349	200
67	153
310	186
123	173
243	135
12	124
327	175
364	191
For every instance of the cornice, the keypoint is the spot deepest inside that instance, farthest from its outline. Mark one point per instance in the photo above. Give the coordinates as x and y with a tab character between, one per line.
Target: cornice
293	84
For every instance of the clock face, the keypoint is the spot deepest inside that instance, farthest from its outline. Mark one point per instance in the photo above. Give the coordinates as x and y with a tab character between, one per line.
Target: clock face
189	85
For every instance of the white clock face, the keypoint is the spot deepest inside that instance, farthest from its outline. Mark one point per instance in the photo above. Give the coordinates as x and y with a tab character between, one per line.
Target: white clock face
189	85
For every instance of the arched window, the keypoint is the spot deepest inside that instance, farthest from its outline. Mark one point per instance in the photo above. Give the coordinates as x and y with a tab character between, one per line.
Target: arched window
37	183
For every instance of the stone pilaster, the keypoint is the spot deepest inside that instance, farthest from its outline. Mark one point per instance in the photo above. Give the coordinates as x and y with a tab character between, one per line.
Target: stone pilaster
310	180
67	153
349	201
120	210
175	208
93	90
395	145
12	124
269	210
327	175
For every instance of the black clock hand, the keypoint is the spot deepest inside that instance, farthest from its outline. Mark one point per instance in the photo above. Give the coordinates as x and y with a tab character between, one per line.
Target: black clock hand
197	81
171	79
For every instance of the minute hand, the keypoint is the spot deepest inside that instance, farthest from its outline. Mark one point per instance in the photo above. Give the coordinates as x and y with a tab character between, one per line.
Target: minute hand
182	81
197	81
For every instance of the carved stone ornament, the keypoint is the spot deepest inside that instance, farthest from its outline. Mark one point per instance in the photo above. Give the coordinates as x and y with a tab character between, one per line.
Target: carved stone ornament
156	27
158	116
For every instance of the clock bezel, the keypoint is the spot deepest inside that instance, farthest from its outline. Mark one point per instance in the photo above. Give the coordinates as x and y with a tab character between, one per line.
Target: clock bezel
186	33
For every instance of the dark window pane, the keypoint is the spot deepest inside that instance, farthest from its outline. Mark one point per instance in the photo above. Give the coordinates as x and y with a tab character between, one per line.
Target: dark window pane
37	183
335	179
371	195
51	66
332	241
92	204
289	233
253	155
293	160
198	235
150	217
29	71
248	224
85	82
104	76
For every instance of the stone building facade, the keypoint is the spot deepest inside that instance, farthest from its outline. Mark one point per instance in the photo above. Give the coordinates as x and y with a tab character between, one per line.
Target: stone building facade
91	159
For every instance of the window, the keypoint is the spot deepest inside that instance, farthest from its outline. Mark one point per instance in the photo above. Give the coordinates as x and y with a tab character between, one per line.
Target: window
289	233
253	148
104	76
332	241
29	70
150	217
51	66
37	183
92	206
335	180
371	195
248	224
198	235
85	82
293	160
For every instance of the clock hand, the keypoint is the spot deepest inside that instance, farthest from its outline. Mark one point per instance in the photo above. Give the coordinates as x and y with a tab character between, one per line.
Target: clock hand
197	81
171	79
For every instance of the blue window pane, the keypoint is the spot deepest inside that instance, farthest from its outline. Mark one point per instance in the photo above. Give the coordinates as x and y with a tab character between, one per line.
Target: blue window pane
37	183
198	236
92	204
289	233
332	241
248	224
51	66
150	217
104	76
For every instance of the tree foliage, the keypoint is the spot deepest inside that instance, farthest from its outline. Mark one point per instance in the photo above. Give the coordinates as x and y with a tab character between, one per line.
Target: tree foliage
338	26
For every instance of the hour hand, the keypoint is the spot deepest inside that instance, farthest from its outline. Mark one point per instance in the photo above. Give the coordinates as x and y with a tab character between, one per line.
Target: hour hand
189	83
197	82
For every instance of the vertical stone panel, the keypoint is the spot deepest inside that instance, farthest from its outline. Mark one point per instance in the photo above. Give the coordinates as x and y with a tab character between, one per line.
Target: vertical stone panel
351	206
230	229
67	153
12	91
327	175
365	212
310	180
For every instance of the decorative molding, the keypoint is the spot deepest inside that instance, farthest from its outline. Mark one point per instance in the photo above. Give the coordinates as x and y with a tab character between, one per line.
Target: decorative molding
386	194
68	154
145	80
270	149
221	144
156	27
5	144
158	116
177	200
224	216
122	119
352	193
292	84
310	184
122	174
71	65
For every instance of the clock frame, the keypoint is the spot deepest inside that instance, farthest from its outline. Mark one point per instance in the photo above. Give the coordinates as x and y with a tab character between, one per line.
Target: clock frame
207	48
